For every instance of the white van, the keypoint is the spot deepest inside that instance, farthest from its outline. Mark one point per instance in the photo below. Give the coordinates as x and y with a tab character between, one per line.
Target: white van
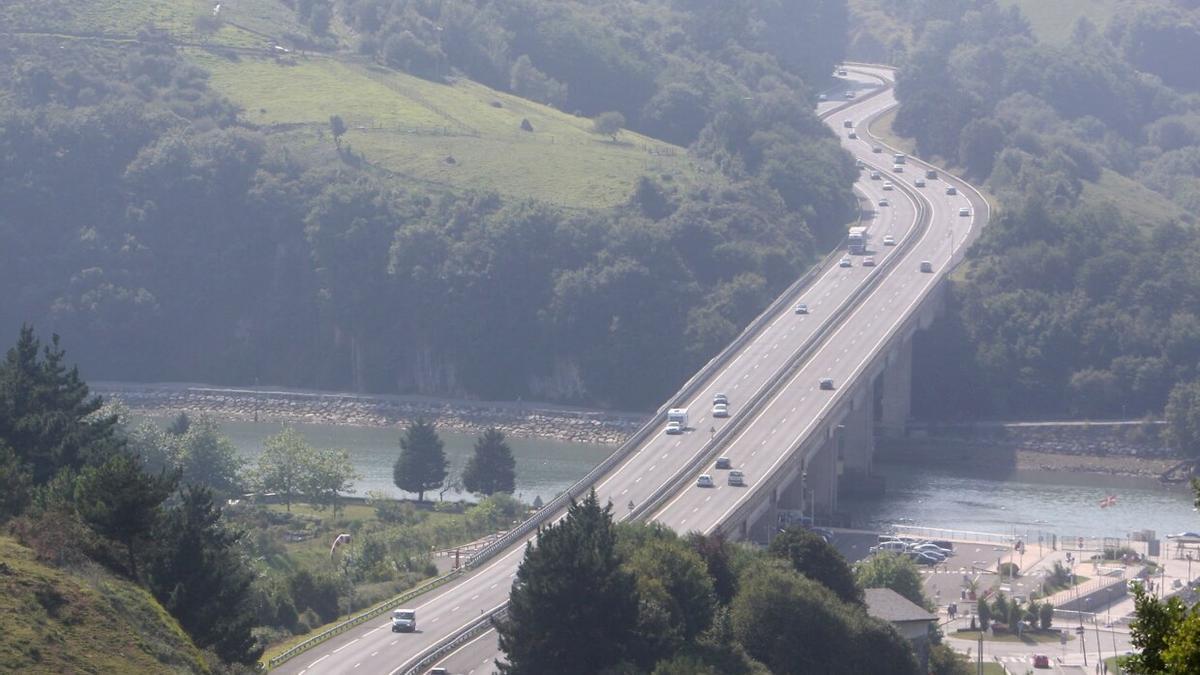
404	621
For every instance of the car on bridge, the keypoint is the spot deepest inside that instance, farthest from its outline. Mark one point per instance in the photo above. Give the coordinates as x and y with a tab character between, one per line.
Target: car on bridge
737	478
884	202
722	463
897	168
931	174
877	150
704	480
720	398
868	262
849	94
887	185
801	308
964	211
920	182
720	410
875	175
674	428
926	266
404	621
827	383
845	262
852	136
951	190
889	240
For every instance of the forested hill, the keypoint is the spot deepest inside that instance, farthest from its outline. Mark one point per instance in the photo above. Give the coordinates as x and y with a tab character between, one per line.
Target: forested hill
566	200
1081	297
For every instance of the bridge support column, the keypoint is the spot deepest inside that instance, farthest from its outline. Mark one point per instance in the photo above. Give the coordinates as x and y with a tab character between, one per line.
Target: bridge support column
896	398
822	479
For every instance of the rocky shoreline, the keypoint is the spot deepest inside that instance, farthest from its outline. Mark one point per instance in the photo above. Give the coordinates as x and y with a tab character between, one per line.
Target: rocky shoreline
517	419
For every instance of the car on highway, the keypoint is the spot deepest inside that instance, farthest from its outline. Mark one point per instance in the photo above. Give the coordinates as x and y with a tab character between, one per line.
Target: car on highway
438	671
705	480
720	410
845	262
876	149
888	185
951	190
868	262
897	168
722	463
849	124
884	202
841	72
875	175
720	397
1041	661
822	97
860	164
849	94
404	621
889	240
852	135
737	478
826	383
931	174
801	308
920	182
926	266
964	211
674	428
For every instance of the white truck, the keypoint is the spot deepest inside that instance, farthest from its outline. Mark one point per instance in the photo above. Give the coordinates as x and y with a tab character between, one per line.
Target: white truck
676	420
404	621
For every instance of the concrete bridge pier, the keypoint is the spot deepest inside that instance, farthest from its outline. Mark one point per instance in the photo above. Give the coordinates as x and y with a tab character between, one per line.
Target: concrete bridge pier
895	391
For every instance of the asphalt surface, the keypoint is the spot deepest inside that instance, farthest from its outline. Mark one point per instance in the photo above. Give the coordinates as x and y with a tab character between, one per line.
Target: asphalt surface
373	648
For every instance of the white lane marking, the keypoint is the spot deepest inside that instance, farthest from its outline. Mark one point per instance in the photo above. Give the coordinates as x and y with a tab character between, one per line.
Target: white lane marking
318	661
344	646
494	586
358	664
475	597
456	608
374	654
393	642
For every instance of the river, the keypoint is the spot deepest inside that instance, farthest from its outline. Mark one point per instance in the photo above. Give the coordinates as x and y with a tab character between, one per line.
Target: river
1025	501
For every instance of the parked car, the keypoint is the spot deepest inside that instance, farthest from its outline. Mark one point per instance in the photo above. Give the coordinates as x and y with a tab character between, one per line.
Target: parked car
925	558
889	546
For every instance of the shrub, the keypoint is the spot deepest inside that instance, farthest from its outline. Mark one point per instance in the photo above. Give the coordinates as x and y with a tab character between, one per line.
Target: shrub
1008	569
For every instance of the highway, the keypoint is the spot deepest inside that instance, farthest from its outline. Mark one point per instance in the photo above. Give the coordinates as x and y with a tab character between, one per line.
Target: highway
373	648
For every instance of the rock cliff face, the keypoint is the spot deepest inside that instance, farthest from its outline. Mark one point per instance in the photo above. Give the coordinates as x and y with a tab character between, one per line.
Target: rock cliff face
514	419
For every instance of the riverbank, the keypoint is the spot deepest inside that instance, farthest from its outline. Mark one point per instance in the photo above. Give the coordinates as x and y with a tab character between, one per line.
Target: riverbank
515	419
999	458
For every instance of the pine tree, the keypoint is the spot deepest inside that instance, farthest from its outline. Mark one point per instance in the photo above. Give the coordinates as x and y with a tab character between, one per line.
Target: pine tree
421	465
121	501
198	573
492	468
47	412
572	608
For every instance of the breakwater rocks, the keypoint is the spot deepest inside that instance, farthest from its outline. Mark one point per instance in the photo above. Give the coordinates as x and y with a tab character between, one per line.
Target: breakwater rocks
525	420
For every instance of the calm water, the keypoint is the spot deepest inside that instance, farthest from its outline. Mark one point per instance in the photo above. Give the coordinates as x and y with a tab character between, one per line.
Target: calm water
929	496
544	467
1027	501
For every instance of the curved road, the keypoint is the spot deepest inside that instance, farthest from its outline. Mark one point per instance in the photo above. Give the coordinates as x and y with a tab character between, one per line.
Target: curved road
373	648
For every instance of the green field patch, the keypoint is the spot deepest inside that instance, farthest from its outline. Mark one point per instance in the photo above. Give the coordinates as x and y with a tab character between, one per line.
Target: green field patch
1136	203
1053	21
461	135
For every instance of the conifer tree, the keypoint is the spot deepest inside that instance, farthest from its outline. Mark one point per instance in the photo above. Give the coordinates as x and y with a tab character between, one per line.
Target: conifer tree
421	465
492	468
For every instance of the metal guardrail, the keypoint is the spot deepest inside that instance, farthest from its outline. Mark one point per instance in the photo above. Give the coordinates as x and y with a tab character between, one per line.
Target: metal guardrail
359	619
447	647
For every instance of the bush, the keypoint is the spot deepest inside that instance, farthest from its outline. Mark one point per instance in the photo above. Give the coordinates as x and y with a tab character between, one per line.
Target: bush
307	622
1008	569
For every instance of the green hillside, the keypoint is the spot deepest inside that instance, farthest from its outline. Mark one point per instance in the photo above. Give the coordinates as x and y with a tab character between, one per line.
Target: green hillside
461	134
55	621
1052	21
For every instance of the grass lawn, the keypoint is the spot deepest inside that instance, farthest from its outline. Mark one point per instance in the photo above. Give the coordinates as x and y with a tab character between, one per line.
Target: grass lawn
993	669
1029	638
461	135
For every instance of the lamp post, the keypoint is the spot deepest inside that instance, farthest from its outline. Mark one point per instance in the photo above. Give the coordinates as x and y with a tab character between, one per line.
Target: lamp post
803	492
